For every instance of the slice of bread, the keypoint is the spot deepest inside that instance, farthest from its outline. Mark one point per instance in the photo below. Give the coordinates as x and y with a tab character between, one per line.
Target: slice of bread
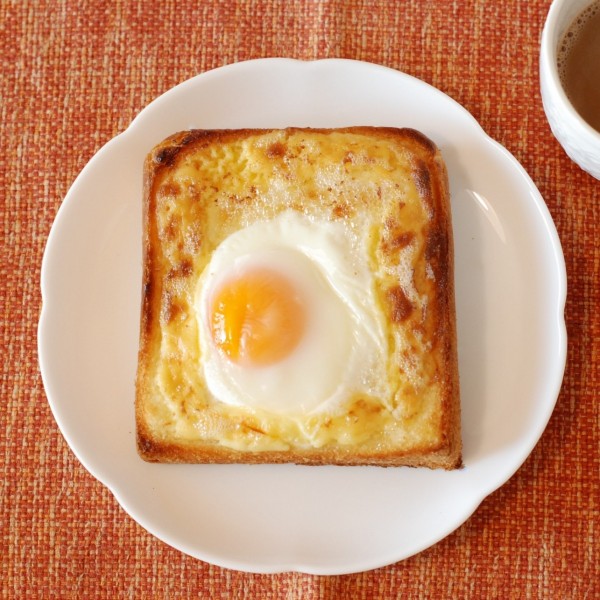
386	191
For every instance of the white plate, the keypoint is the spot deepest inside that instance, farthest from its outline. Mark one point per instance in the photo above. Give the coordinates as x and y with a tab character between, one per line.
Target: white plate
511	286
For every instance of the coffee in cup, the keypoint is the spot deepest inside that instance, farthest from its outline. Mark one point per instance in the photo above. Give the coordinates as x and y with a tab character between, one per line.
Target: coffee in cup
578	61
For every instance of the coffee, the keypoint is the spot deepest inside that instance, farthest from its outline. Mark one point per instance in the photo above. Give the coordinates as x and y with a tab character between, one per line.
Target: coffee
579	64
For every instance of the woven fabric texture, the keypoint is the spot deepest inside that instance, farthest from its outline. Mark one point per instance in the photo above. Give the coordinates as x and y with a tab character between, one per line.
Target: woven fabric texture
74	74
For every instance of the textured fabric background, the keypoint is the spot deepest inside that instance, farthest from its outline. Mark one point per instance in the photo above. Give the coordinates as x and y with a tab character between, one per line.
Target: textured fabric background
74	74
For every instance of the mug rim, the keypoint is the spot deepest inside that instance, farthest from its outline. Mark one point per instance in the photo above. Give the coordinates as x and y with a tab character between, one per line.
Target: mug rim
549	48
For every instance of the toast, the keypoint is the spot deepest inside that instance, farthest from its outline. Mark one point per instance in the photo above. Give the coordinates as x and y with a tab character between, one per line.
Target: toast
360	217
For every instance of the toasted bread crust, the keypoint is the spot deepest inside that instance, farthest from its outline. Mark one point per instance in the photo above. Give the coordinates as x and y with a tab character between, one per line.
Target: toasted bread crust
431	181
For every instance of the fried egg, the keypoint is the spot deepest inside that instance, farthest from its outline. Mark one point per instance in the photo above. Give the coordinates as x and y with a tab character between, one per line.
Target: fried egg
288	318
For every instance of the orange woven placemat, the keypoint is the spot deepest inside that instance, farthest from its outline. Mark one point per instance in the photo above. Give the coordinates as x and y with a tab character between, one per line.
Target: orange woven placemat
74	74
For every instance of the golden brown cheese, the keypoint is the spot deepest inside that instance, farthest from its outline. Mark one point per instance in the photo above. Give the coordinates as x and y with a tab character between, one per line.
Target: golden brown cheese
202	186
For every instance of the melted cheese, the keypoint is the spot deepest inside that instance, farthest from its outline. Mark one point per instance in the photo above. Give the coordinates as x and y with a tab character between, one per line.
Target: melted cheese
373	186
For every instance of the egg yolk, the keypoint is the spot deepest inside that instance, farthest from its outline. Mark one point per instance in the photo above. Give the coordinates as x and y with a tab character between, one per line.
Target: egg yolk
257	318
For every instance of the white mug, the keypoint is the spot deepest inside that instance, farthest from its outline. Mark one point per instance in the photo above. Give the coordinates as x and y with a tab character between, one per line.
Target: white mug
580	141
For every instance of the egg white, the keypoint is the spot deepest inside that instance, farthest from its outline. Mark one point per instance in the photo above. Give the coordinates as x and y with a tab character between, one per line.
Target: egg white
343	347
